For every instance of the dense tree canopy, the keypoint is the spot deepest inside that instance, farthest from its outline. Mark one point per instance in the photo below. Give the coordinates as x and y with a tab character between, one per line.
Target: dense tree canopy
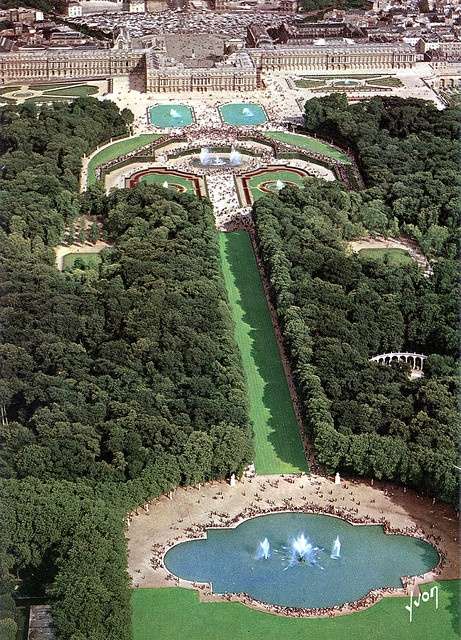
339	309
323	5
120	381
408	152
101	375
117	381
41	152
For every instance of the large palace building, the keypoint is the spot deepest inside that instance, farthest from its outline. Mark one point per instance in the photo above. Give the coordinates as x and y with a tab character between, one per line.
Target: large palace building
240	70
236	73
69	64
334	56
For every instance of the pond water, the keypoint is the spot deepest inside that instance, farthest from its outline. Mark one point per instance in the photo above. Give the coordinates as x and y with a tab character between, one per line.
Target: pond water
171	115
241	114
300	560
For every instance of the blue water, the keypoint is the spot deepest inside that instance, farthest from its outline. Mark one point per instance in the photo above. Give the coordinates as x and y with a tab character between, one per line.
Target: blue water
369	559
171	115
241	114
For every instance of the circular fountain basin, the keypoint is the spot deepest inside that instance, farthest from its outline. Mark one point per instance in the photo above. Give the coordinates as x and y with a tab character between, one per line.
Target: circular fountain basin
171	115
347	82
242	114
305	566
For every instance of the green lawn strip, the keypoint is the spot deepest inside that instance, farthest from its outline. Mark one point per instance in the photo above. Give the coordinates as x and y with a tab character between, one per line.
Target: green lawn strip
4	90
116	149
394	256
160	178
285	176
76	91
312	144
277	440
22	620
177	614
307	84
352	76
385	82
50	85
92	259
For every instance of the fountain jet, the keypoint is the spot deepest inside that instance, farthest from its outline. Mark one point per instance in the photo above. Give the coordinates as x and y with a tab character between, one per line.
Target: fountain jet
205	156
165	185
303	551
234	157
263	550
336	550
279	185
247	112
174	113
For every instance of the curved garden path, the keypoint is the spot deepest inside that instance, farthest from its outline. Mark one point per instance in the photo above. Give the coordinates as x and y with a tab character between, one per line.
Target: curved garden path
406	244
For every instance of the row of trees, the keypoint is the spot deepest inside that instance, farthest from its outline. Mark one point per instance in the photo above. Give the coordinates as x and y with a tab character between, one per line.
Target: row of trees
323	5
338	309
117	381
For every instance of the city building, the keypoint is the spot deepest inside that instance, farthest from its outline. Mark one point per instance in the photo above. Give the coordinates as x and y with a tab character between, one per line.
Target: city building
74	10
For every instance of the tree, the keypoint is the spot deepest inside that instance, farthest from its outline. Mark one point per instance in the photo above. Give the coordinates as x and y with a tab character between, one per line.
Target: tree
232	450
81	235
93	234
197	458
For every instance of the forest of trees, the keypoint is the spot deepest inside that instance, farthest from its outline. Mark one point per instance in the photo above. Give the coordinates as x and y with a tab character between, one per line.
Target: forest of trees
117	382
338	309
120	381
408	153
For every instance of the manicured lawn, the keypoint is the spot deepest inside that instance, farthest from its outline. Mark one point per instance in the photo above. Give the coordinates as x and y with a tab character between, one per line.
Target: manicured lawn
22	620
269	179
45	99
312	144
358	76
177	614
393	256
8	89
117	149
77	91
277	440
160	178
44	86
91	259
389	81
308	84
